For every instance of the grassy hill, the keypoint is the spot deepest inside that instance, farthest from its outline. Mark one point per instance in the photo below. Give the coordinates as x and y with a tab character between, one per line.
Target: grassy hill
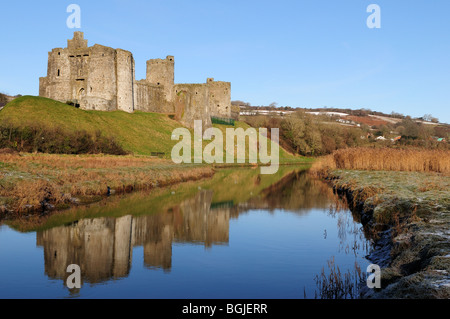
139	133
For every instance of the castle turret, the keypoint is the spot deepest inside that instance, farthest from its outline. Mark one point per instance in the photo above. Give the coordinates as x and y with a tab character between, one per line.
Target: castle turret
162	73
78	41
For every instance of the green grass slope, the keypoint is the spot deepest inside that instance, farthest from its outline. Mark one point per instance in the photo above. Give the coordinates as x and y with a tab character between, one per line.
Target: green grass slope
140	133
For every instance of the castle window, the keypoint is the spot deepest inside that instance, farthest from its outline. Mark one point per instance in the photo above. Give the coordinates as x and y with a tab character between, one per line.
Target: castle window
59	53
59	72
158	83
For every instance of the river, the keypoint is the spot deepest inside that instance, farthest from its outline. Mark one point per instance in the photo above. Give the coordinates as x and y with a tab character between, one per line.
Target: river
236	235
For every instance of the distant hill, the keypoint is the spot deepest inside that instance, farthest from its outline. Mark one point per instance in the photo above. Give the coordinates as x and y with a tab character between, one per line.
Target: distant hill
361	116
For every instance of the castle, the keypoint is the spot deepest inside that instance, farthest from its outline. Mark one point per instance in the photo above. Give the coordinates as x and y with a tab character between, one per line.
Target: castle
102	78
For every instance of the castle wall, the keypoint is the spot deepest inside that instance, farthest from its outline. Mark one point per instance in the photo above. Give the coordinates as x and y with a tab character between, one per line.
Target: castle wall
125	80
57	84
192	103
151	98
100	84
219	98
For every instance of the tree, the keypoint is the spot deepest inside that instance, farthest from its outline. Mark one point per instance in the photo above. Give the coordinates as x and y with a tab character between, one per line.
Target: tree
3	99
411	128
240	103
273	104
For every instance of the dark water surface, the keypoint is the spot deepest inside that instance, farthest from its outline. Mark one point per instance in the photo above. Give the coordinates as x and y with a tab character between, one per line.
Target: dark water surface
237	235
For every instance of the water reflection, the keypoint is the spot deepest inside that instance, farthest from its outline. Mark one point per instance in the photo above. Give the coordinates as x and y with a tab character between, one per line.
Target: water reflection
288	225
103	247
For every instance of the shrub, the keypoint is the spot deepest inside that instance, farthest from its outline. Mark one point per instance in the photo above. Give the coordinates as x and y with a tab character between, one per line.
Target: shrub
56	141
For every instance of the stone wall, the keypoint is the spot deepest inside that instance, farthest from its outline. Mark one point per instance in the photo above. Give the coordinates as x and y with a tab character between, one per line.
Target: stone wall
151	98
97	88
219	98
192	103
125	80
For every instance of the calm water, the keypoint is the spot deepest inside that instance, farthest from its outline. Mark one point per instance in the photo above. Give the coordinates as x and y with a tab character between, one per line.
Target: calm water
237	235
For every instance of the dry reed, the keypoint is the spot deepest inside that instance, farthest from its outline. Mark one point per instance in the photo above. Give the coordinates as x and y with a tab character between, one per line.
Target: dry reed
385	159
31	180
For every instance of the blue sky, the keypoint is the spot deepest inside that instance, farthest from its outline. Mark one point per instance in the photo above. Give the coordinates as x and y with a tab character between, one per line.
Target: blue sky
301	53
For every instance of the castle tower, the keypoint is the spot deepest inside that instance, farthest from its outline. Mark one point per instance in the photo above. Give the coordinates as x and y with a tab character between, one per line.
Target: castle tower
219	98
162	73
78	41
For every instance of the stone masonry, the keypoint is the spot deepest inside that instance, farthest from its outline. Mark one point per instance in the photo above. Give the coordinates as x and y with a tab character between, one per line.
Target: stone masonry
102	78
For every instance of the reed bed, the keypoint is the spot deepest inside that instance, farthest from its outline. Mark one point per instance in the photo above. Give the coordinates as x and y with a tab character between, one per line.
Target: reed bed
385	159
30	181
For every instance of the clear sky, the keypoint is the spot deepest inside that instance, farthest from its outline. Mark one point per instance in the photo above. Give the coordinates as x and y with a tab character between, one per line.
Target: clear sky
301	53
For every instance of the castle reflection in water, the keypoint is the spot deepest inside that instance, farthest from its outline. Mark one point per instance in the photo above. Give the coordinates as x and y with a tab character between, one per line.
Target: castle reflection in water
103	247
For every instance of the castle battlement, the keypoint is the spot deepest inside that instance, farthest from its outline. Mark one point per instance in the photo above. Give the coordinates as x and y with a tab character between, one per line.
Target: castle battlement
102	78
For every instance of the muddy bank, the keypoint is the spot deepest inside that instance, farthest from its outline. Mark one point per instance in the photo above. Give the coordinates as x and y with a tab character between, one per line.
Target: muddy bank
411	236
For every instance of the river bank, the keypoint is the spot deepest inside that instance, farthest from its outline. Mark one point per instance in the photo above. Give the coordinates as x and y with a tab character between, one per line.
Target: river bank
35	183
408	216
38	183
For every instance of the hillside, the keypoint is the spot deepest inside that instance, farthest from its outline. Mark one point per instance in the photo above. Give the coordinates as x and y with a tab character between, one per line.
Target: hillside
139	133
359	116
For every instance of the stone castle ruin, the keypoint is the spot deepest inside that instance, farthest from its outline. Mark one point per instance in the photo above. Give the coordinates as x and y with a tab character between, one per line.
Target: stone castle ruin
103	78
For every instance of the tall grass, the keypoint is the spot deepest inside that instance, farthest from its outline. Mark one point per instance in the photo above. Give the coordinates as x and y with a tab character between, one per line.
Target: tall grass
385	159
334	284
31	181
